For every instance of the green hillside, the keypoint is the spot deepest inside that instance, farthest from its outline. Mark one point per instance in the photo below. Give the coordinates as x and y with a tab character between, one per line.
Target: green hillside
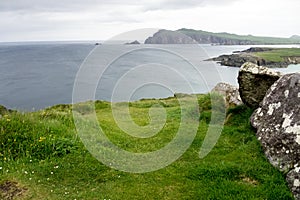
244	39
42	157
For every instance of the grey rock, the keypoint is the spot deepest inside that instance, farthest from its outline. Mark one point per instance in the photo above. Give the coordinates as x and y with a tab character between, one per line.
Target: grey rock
293	180
254	81
231	94
277	121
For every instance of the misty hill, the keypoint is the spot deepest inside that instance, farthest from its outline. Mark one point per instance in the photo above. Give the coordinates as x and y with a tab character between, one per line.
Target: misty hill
295	37
190	36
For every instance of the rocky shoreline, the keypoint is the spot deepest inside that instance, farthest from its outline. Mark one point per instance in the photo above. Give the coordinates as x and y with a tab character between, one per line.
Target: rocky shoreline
238	58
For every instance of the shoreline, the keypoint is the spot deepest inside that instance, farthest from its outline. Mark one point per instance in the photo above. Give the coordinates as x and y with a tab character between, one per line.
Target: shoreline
265	56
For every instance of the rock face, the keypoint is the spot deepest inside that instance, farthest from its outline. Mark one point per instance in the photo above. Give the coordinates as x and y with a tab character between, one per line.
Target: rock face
254	81
278	127
169	37
231	94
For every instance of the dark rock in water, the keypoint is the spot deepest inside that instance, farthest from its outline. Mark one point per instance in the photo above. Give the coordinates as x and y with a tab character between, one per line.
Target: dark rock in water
134	42
237	60
278	127
97	44
231	94
254	81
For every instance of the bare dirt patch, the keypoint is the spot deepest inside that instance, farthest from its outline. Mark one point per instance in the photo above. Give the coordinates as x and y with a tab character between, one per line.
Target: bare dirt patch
10	190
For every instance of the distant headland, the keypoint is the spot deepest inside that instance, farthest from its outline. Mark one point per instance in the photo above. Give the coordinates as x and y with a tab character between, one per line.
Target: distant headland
190	36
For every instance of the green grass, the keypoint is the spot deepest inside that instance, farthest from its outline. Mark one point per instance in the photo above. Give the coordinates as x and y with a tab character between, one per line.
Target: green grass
277	55
43	153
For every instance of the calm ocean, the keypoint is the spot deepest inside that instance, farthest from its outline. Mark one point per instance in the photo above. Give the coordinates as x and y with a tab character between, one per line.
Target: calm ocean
35	76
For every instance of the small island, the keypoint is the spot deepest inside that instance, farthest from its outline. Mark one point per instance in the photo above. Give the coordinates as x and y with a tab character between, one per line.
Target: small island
269	57
135	42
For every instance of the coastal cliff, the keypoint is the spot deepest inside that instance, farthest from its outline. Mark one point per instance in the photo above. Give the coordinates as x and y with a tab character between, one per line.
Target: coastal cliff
169	37
190	36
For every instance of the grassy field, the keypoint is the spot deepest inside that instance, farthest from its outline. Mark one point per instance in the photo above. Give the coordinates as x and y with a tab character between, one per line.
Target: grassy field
42	157
277	55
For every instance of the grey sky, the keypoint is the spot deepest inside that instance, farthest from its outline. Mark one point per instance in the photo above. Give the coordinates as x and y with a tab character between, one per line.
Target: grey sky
29	20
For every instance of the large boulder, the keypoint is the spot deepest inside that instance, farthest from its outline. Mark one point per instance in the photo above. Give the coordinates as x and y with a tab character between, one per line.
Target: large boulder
278	127
254	81
231	94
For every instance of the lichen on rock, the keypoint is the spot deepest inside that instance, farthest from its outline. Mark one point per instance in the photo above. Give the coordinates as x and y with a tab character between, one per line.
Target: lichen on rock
277	121
231	94
254	81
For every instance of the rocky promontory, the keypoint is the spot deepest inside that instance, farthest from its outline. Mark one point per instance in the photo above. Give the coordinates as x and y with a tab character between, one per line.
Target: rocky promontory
269	57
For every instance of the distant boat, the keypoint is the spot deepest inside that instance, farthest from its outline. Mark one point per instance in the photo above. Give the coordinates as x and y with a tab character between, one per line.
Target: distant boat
97	43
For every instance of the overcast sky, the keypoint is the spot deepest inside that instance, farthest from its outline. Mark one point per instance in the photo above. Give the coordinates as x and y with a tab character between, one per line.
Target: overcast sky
42	20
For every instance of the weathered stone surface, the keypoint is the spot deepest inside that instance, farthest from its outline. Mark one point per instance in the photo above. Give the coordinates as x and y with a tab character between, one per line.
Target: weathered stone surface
231	94
293	179
254	81
278	127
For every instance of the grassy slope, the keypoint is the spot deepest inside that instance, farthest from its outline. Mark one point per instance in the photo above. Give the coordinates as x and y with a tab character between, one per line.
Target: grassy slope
41	151
277	55
254	39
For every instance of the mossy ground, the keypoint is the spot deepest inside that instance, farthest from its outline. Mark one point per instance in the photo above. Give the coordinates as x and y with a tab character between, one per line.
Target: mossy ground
42	153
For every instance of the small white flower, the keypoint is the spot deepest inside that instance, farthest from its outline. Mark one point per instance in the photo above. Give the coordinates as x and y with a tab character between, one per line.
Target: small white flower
30	179
30	160
48	179
0	168
56	167
51	172
32	172
51	190
39	181
25	172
